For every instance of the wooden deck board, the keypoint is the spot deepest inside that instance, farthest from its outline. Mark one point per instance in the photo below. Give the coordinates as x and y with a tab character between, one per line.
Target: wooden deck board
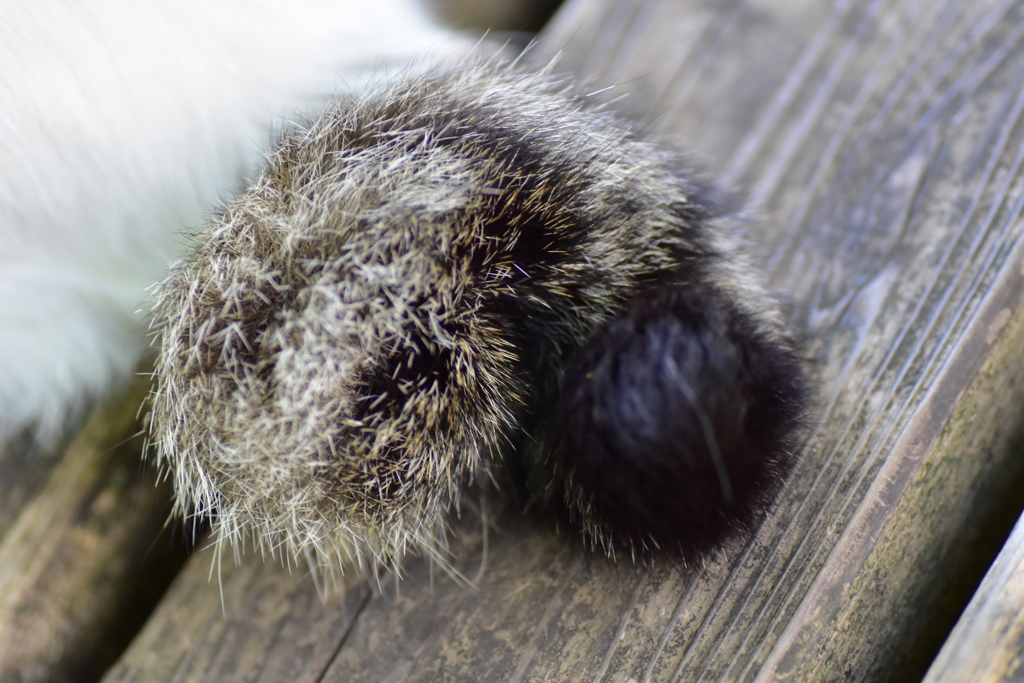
84	559
988	641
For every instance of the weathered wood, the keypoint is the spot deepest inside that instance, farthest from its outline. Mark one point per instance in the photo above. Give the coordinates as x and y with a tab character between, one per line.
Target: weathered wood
80	563
988	641
883	141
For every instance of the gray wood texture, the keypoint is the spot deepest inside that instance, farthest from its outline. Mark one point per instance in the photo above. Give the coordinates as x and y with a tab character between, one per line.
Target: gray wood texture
987	644
81	557
878	146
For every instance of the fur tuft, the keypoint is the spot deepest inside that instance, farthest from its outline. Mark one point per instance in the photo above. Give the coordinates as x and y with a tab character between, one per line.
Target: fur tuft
675	422
399	296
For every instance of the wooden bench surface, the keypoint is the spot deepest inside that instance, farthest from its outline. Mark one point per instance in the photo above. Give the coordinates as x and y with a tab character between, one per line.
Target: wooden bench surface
878	145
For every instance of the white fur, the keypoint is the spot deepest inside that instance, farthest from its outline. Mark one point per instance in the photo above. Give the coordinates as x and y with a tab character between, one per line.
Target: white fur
121	121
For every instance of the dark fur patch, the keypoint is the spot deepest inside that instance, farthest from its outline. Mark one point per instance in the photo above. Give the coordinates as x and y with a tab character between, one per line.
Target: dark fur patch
676	419
417	366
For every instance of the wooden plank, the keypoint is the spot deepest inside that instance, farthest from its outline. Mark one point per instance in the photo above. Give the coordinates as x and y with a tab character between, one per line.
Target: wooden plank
84	556
988	641
882	141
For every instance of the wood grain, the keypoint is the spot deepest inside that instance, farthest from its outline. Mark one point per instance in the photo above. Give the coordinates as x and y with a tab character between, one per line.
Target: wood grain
987	644
879	144
84	558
